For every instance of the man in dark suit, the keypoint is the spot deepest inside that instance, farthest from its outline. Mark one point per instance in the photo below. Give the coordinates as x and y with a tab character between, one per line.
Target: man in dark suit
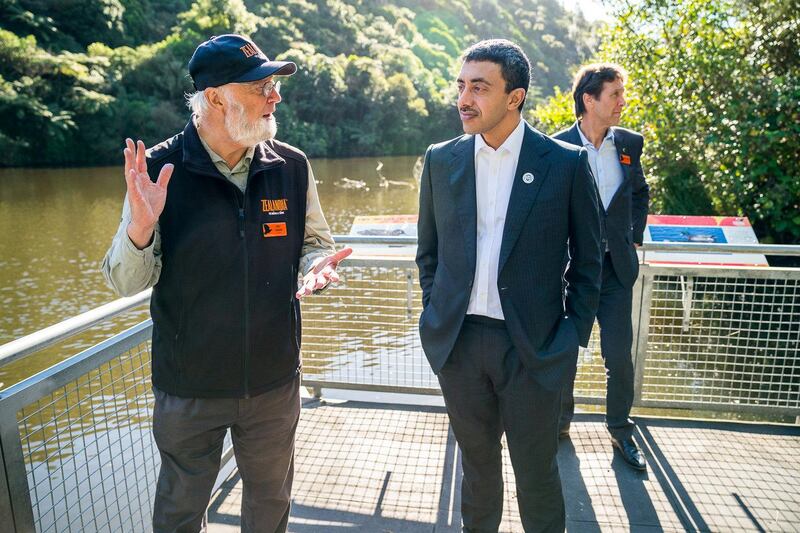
614	155
499	208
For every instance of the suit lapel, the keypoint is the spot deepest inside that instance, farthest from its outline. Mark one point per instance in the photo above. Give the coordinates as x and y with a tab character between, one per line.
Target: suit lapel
523	195
622	150
462	185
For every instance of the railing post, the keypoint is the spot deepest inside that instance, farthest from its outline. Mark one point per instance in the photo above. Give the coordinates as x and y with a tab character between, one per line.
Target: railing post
6	512
16	508
687	291
409	292
643	297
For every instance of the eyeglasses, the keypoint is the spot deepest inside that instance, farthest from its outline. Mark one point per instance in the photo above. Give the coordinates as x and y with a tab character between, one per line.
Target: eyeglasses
266	88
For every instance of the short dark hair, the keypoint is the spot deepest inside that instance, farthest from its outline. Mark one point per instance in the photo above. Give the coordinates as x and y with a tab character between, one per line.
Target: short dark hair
590	80
514	64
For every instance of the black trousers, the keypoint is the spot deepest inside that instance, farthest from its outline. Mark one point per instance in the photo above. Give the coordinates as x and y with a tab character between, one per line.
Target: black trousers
487	392
616	338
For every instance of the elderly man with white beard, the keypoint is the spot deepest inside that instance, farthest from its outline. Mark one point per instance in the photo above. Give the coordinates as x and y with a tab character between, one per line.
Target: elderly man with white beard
223	251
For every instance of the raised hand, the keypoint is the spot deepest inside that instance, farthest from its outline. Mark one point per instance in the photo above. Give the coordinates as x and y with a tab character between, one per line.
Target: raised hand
146	198
323	273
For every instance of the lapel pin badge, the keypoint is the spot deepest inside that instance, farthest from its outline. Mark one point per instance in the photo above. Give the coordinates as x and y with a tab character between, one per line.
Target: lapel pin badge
625	159
527	177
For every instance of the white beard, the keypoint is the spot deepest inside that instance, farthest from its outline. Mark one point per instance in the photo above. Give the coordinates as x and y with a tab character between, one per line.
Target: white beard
247	133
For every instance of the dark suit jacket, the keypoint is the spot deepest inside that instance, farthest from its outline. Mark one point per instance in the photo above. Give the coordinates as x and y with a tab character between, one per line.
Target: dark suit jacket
557	211
626	216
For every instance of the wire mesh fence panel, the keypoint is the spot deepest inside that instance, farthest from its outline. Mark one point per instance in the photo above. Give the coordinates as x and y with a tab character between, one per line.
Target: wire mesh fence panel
718	339
724	340
365	330
590	381
90	458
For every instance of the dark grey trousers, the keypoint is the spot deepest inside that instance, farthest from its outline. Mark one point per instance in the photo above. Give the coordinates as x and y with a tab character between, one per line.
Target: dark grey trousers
616	338
189	433
487	391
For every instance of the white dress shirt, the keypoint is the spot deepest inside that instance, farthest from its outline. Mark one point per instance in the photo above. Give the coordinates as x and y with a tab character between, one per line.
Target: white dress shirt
605	166
494	176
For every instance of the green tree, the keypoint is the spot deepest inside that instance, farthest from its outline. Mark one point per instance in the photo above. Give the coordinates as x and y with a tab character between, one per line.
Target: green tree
43	98
375	77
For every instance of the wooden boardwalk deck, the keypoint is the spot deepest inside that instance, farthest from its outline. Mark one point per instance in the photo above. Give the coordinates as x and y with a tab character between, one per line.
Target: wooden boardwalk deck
390	468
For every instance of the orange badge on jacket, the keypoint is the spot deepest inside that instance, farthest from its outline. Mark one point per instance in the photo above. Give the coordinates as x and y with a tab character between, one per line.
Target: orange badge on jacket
274	229
625	159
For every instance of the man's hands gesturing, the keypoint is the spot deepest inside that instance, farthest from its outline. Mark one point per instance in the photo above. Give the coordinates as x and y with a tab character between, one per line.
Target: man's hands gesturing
324	272
146	198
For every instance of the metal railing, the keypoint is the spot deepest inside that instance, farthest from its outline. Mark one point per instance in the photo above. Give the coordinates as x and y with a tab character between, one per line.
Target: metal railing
75	442
76	445
719	339
705	337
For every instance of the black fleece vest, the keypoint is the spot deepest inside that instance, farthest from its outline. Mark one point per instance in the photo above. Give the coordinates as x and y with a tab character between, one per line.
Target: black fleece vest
226	323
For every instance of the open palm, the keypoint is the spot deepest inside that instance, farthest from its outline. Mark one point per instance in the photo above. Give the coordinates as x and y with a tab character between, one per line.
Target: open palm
145	197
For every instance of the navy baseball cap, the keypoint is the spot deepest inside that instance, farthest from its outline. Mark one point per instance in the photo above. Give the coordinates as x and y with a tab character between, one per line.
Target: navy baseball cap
232	59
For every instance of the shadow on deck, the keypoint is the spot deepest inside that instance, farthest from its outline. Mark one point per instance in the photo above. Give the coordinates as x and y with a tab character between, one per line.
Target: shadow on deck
392	468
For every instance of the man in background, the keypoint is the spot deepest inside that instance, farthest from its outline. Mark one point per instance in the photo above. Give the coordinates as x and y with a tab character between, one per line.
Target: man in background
222	251
499	208
615	158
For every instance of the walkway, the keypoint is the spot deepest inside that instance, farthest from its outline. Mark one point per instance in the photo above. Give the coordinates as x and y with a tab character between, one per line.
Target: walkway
382	468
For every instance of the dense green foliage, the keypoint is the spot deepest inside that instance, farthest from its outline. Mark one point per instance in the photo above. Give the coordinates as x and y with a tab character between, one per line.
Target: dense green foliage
715	89
77	76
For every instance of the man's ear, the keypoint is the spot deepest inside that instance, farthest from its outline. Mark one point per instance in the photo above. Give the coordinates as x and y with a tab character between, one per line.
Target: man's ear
214	97
588	100
515	98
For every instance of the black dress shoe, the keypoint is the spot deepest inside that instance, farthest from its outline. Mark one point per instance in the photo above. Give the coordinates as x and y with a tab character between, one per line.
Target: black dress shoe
630	452
563	431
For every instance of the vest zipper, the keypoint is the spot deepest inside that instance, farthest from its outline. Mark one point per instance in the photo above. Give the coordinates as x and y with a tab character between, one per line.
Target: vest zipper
246	299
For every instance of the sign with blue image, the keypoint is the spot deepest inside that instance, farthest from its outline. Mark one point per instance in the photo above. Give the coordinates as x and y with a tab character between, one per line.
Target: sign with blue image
706	234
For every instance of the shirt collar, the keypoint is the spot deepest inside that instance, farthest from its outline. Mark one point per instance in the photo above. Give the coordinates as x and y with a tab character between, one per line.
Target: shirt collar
512	144
587	143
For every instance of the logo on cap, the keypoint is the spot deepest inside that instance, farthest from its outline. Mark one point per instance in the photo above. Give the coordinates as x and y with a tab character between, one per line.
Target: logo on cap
249	50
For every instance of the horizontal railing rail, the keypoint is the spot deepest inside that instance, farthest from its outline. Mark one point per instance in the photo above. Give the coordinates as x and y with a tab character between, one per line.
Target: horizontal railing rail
694	247
375	239
43	338
728	248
